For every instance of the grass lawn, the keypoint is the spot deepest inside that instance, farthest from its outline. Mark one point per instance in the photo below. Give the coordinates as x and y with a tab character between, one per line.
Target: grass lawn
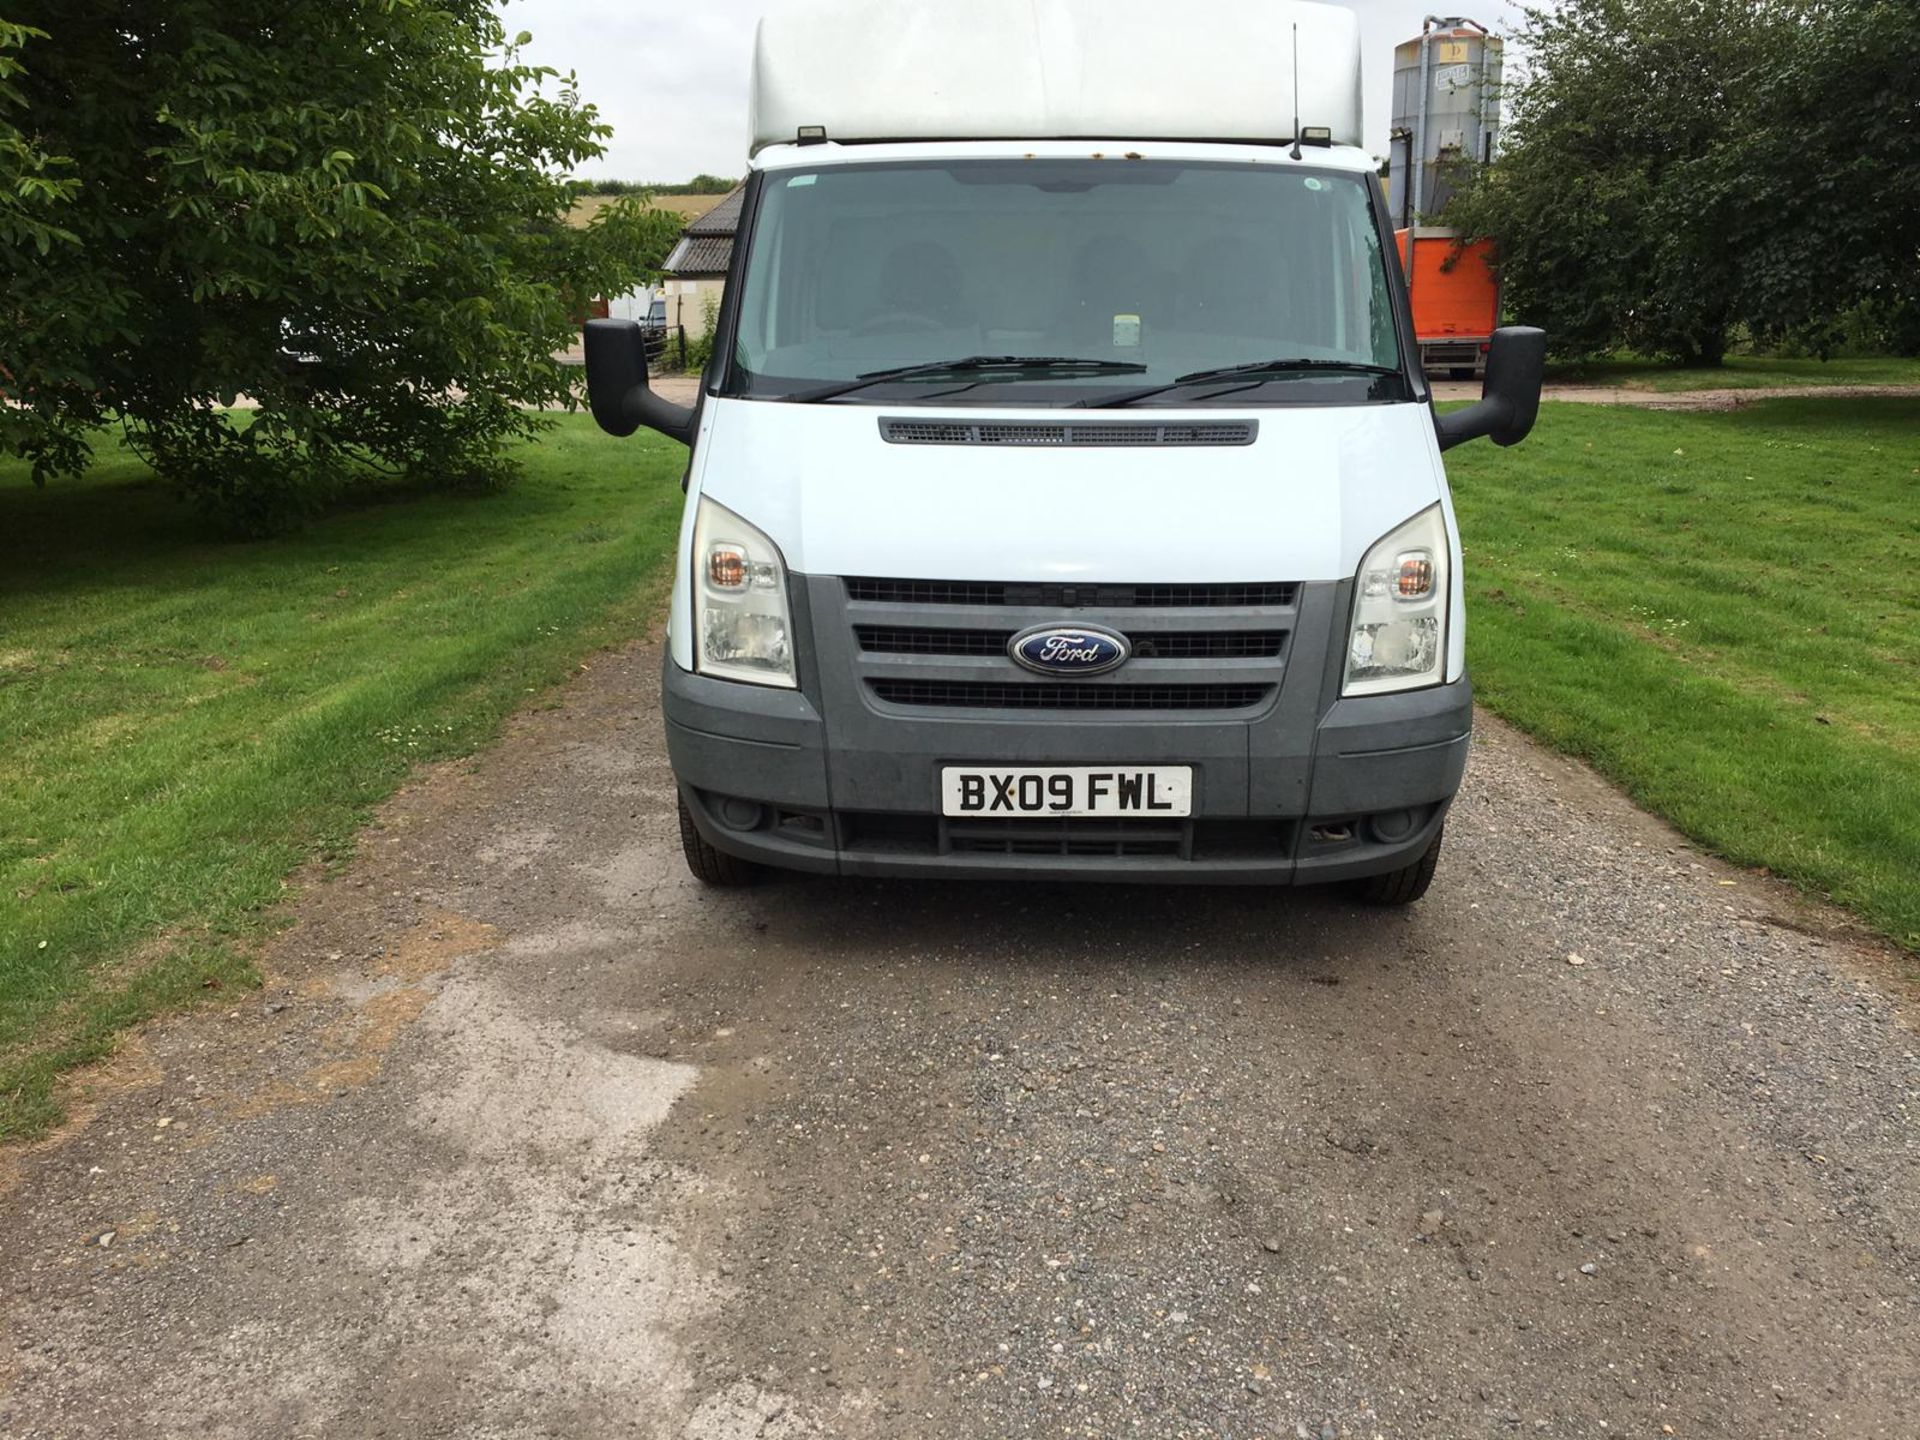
1741	372
1718	610
188	719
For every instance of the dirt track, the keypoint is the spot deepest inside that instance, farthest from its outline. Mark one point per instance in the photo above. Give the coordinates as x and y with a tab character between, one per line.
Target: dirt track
529	1136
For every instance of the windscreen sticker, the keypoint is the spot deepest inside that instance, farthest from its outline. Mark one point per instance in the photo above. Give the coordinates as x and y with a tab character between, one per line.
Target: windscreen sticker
798	180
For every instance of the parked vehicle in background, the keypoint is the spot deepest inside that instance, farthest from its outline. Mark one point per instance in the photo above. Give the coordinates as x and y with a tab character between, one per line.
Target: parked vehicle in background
1066	497
654	326
1456	299
1446	113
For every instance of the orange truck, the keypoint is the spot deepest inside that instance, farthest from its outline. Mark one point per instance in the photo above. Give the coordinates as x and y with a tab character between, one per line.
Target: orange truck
1456	299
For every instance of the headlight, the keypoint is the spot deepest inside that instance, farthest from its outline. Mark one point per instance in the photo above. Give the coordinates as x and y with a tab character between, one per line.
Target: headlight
1399	636
741	628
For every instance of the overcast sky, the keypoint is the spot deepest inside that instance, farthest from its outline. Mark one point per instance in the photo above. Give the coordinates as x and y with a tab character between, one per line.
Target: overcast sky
670	76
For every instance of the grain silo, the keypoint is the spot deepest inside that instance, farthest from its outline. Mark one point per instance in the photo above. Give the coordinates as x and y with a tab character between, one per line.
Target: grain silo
1446	108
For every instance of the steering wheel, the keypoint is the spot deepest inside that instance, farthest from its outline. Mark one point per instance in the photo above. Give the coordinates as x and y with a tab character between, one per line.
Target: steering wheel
899	322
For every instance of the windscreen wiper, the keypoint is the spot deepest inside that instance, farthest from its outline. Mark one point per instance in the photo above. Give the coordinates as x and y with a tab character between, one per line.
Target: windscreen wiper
1253	374
970	365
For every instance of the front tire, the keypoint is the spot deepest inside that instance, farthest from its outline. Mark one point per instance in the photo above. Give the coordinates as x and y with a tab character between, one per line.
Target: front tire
1405	885
710	865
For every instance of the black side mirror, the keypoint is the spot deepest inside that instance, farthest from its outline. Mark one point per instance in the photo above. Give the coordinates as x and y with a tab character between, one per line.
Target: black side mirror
617	384
1510	398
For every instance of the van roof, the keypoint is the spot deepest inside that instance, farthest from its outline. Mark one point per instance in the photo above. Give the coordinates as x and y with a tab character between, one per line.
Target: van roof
813	157
876	70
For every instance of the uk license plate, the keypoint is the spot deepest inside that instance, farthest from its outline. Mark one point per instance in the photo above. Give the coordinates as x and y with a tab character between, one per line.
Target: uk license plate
1067	791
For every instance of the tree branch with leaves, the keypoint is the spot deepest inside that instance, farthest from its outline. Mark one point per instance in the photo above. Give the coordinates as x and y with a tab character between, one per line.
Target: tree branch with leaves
349	211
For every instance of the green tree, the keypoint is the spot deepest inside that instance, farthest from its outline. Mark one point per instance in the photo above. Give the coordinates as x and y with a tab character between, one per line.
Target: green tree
1609	201
33	184
36	194
349	210
1819	182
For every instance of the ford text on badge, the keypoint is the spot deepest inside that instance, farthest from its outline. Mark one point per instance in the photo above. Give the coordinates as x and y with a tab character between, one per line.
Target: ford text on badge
1069	650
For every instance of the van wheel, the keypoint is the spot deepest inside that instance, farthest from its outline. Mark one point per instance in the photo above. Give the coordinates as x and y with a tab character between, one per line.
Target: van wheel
711	866
1405	885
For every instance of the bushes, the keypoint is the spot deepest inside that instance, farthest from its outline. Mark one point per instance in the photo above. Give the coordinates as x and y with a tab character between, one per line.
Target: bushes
700	346
699	185
348	213
1676	170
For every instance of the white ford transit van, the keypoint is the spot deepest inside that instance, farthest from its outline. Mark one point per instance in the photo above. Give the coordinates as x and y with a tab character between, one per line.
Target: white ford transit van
1065	496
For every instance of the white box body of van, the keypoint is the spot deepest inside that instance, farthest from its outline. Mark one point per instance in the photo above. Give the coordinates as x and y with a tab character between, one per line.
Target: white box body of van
1065	496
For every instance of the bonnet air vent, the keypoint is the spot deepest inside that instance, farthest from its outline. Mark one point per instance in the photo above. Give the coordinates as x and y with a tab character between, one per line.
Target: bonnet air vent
1067	433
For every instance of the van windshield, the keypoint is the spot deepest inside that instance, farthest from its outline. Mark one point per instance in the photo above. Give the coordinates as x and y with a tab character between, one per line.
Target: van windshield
1162	269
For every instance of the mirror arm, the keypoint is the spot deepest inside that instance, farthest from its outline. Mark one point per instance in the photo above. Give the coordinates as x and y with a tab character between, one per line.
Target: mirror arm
1459	426
657	413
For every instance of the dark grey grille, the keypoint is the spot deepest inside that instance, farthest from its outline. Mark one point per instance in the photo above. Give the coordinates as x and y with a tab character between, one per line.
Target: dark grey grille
1066	837
1098	432
1183	645
1208	838
992	696
1210	645
1190	596
1113	597
927	592
902	640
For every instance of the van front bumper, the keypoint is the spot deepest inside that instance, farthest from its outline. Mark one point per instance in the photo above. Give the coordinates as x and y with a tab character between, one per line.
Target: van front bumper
1309	790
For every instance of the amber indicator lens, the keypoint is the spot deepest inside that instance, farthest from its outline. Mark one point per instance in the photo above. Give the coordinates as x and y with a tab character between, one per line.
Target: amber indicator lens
1416	577
727	567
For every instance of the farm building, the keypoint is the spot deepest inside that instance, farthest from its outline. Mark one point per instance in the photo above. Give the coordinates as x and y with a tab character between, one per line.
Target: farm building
696	269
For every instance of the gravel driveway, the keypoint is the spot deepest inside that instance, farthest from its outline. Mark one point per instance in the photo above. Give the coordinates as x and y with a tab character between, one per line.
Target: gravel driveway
528	1136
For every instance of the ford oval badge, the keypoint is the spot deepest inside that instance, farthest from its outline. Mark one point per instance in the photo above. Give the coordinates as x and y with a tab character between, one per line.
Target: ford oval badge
1069	649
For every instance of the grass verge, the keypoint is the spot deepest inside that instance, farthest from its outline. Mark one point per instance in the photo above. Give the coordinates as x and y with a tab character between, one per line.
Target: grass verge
188	720
1741	372
1718	611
